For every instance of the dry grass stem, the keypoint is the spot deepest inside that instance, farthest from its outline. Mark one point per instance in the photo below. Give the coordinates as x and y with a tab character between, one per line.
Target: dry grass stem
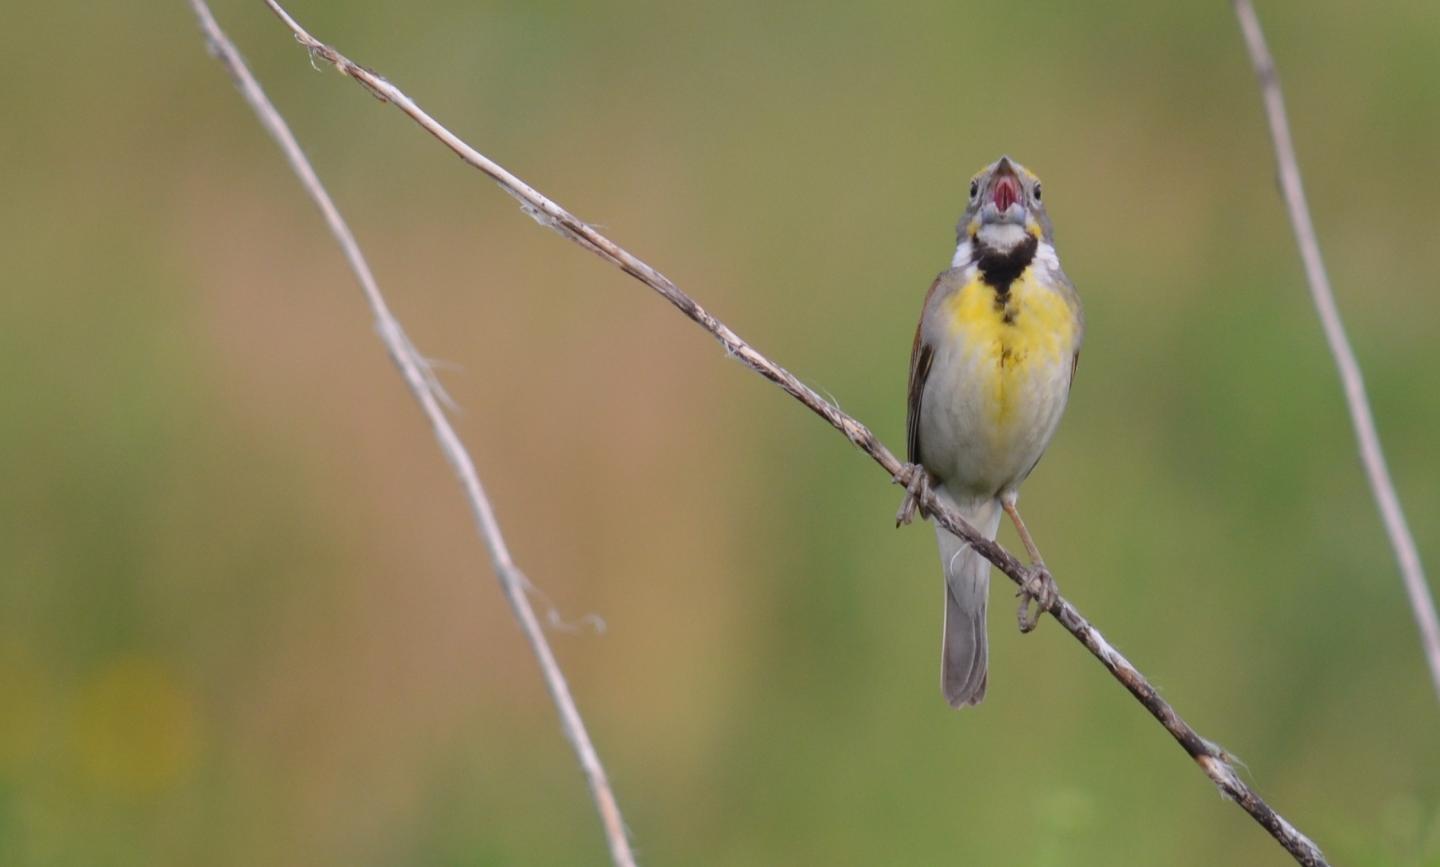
1371	455
422	383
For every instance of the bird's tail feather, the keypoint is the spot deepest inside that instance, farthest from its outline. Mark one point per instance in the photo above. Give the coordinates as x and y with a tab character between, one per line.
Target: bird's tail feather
964	655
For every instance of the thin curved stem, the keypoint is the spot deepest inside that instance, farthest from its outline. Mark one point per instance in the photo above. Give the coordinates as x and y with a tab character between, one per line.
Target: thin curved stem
425	388
1356	400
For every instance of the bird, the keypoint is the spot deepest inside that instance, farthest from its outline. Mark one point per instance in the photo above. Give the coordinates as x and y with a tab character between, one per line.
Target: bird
991	367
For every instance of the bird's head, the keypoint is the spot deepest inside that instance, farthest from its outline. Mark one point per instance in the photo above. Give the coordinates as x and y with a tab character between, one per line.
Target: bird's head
1005	207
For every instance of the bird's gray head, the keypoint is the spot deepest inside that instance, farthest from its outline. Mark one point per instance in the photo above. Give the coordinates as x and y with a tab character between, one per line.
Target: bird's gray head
1004	209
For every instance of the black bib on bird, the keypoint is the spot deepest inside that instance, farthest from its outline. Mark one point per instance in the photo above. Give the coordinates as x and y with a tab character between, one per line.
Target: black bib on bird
1000	268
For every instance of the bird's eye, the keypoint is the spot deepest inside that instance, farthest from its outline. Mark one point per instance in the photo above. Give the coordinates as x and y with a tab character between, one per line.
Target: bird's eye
974	189
1036	192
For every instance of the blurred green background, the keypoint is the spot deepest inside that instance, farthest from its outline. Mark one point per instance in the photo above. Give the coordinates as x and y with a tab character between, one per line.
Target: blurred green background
244	618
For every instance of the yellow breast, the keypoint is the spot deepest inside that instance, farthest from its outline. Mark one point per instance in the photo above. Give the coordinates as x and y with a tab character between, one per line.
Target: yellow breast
1012	341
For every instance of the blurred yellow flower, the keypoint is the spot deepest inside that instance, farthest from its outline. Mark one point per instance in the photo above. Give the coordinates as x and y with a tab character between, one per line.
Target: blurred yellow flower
136	730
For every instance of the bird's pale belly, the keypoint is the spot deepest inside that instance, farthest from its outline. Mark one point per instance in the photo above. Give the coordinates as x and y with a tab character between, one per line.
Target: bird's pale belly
997	386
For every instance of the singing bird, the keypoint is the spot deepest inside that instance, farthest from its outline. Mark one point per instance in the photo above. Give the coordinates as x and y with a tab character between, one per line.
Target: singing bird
990	372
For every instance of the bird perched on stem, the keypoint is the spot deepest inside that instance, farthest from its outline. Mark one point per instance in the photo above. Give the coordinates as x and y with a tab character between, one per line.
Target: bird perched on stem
990	372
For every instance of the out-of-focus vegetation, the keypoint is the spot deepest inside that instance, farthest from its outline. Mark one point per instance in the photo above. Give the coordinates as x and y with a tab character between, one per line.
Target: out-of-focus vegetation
243	616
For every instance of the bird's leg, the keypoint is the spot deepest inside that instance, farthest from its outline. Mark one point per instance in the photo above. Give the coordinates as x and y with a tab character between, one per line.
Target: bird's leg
916	480
1039	585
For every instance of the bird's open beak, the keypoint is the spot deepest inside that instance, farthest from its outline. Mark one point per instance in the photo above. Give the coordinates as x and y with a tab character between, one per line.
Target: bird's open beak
1004	203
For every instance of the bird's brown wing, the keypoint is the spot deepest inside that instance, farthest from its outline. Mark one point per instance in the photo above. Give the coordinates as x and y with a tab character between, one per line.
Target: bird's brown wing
921	357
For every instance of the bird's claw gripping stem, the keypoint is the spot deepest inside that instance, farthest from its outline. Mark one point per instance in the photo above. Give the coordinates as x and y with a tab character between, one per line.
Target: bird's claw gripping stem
1039	587
917	486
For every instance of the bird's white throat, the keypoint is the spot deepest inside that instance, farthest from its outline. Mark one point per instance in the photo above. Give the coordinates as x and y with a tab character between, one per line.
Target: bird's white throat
1001	237
965	250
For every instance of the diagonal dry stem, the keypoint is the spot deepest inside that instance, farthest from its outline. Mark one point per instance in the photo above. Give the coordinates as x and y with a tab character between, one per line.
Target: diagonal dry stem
1210	758
421	381
1371	455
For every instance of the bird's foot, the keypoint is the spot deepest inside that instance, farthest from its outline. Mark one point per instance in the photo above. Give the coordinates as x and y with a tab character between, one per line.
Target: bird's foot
916	480
1038	587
